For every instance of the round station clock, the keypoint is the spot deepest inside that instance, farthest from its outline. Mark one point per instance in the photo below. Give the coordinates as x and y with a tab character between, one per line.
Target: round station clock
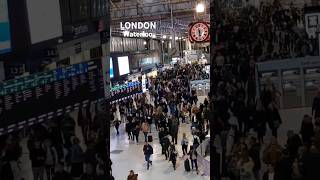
199	32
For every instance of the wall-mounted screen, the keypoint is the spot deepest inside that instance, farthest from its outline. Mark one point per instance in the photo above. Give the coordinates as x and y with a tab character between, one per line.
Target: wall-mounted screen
65	88
5	40
111	68
123	63
44	20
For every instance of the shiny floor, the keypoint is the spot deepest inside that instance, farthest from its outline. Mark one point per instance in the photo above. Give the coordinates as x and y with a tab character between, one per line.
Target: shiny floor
127	155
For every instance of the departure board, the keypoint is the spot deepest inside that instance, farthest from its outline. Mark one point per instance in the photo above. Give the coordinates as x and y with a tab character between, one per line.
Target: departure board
35	98
125	91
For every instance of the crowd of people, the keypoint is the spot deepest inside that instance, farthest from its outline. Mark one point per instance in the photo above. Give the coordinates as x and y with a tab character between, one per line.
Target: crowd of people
269	32
241	119
170	102
55	151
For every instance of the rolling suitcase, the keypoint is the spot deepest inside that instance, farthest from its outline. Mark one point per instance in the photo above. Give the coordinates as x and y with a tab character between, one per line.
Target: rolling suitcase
150	139
187	165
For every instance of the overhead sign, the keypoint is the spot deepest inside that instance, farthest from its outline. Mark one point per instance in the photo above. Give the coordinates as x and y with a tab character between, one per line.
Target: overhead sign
128	27
5	40
312	20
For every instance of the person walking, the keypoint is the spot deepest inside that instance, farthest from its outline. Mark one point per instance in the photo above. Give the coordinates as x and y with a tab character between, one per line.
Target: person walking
76	158
174	128
129	130
116	124
194	158
316	106
148	151
307	129
161	135
145	129
51	159
132	176
184	144
136	132
173	156
37	157
166	145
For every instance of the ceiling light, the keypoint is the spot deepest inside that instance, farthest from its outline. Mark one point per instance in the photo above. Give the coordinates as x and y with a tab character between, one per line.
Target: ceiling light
164	37
200	7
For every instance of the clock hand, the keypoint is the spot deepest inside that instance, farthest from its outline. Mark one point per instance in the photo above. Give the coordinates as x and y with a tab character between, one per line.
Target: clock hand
199	32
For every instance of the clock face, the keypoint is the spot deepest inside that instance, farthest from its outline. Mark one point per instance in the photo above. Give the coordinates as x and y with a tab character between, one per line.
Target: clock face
199	32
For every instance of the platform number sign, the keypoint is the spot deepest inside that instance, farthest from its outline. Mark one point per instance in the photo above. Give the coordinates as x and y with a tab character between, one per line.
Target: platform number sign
199	32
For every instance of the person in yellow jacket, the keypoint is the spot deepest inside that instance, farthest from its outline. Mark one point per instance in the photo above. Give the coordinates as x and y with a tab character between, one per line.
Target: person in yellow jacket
145	129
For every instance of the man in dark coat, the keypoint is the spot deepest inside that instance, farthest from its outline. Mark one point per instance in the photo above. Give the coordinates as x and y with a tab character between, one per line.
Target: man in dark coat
174	128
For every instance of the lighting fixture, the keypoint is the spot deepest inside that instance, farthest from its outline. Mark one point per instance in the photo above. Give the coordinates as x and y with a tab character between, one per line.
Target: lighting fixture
200	7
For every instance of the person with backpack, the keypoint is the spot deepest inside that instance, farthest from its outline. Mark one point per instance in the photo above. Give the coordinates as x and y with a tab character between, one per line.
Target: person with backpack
196	141
148	151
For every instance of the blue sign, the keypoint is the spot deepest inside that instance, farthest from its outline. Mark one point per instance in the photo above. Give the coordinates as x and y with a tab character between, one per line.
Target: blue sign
111	68
5	40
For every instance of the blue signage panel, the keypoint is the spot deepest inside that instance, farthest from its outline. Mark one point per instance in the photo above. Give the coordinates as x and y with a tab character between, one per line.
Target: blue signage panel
111	68
5	40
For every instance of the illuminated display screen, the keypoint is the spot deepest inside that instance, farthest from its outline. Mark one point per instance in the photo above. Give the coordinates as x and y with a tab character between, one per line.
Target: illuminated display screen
123	63
111	68
5	40
47	14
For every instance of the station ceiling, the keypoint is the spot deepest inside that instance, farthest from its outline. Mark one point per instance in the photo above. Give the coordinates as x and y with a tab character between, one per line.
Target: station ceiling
183	13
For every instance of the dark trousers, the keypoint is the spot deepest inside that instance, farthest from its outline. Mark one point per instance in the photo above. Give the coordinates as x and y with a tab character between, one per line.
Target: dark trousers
38	173
130	135
147	158
49	171
185	149
166	152
175	138
137	137
174	164
194	163
117	129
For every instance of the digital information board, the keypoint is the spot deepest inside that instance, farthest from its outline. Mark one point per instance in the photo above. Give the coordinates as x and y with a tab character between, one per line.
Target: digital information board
39	97
5	37
121	92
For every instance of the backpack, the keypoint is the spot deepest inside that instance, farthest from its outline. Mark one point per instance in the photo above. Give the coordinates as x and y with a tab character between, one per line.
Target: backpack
151	149
195	140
